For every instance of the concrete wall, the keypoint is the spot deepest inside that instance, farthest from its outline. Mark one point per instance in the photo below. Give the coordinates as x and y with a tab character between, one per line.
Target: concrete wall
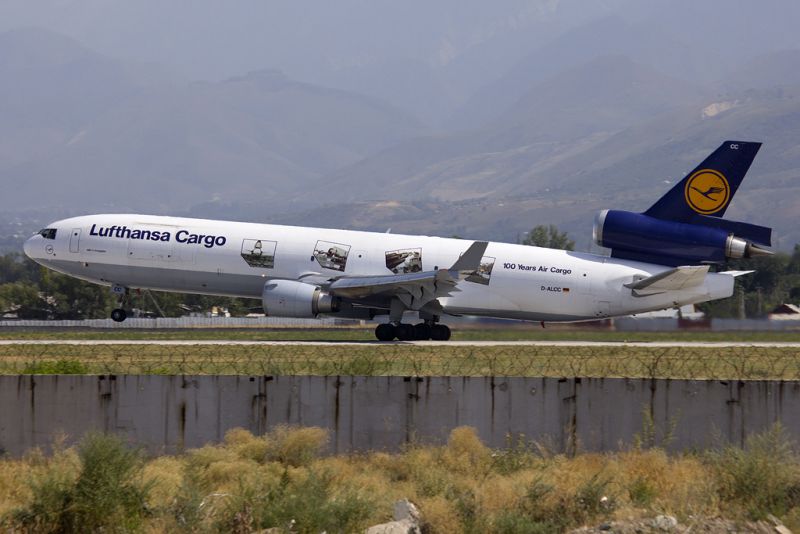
172	413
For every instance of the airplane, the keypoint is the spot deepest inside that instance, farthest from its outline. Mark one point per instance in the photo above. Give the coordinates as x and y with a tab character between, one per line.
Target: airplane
659	259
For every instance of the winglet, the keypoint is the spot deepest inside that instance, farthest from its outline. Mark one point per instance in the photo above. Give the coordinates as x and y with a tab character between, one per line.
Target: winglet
470	261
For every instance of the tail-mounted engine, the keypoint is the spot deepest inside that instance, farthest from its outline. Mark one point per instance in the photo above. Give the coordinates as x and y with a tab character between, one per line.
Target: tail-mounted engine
288	298
640	237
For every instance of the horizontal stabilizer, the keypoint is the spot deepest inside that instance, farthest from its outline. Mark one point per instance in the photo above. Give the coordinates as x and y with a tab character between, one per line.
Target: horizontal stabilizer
677	279
736	273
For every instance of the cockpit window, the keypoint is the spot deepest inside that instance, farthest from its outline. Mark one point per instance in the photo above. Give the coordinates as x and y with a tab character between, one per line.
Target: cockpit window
48	233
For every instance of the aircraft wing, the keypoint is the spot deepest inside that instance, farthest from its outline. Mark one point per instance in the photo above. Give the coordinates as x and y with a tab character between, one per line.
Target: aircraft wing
413	289
676	279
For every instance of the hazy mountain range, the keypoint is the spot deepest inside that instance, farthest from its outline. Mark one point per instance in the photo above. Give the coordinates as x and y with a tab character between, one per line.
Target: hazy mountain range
483	123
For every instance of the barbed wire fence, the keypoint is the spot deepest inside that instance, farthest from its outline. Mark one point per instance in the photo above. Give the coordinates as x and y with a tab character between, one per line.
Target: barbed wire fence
702	363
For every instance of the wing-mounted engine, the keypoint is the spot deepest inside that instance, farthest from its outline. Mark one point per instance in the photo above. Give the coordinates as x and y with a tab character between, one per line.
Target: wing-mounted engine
640	237
289	298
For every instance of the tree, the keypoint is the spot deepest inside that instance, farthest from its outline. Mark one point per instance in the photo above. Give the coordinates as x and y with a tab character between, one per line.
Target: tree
549	237
15	267
776	280
24	299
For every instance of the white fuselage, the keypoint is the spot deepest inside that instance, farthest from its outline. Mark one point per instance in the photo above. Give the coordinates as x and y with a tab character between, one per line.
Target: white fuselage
235	259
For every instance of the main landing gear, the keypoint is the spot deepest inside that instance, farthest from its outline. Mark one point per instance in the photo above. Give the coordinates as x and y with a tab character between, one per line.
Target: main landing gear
119	314
412	332
396	328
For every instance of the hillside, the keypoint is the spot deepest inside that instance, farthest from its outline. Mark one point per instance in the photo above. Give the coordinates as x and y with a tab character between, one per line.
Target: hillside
551	125
509	189
102	140
50	85
600	109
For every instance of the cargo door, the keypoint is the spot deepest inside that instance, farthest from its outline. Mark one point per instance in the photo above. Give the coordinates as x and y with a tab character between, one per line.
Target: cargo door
146	250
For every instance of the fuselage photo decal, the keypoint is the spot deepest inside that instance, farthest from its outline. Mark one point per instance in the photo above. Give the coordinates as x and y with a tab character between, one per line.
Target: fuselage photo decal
331	255
259	253
484	272
406	260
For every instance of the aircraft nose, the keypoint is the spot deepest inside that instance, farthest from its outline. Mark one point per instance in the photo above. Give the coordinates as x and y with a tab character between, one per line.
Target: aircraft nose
27	247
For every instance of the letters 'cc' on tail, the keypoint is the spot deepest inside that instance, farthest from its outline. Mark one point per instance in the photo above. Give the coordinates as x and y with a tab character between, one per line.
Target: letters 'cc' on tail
709	188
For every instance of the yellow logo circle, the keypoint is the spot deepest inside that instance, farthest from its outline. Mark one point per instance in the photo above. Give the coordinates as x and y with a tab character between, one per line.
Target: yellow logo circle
707	191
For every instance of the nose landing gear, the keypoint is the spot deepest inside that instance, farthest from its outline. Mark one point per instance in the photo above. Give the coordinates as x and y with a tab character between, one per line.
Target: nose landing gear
119	314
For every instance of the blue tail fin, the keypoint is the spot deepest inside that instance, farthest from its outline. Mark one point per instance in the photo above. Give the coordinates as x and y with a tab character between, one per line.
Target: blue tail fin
685	226
709	188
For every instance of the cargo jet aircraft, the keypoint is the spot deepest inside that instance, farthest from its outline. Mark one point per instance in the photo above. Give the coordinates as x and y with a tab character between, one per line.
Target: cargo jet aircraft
659	259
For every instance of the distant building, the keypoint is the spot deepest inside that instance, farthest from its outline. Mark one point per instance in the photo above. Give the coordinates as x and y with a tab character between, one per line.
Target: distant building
785	312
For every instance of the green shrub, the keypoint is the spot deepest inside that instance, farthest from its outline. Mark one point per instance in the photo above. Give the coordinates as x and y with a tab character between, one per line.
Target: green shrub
309	505
763	477
58	367
52	494
188	510
513	522
107	495
295	446
517	455
641	492
594	498
542	507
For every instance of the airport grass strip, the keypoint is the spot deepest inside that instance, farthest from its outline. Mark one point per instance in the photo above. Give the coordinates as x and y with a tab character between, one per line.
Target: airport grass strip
721	363
518	333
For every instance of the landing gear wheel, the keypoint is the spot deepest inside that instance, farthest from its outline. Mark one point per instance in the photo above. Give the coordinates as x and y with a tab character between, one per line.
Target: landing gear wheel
385	332
118	315
405	332
422	331
440	332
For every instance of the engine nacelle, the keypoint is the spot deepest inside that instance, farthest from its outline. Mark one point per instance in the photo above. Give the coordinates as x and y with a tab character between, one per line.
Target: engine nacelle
641	237
288	298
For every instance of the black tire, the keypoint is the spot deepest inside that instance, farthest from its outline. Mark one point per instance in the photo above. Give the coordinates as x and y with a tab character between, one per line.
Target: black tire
422	331
405	332
118	315
447	332
385	332
440	332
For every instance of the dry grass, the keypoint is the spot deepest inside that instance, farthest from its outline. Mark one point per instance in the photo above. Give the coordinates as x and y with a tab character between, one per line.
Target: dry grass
723	363
249	483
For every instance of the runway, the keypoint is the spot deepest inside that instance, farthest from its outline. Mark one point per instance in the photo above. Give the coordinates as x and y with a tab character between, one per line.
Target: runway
378	344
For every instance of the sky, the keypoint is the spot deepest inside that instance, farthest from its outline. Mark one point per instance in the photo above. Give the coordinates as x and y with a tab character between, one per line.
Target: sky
213	39
441	69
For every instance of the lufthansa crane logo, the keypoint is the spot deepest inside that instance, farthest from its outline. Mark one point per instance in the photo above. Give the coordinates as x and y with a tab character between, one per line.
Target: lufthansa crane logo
707	191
